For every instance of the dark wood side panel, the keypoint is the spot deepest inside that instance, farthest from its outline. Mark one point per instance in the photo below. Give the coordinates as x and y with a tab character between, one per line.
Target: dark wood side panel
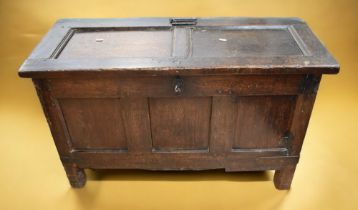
105	87
54	118
94	123
300	121
180	123
262	121
52	110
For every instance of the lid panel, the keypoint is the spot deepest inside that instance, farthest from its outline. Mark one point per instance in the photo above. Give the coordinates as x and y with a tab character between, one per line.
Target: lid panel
244	42
117	43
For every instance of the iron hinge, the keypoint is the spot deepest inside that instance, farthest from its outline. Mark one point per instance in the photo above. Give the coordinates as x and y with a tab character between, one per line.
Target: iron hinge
183	21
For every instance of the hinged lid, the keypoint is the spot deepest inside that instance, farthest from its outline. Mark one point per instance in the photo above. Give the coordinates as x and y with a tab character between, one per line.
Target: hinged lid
179	46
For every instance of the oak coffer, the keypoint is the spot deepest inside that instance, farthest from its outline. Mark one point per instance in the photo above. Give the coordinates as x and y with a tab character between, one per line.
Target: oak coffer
179	93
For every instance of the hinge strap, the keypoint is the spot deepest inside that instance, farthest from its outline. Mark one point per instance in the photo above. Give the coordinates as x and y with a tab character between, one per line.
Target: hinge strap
183	21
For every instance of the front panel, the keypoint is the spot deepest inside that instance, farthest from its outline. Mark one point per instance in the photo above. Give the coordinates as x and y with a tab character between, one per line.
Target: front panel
94	123
227	119
180	124
262	121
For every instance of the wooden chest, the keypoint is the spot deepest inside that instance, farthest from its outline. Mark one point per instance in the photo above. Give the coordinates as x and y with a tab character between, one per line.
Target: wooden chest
179	94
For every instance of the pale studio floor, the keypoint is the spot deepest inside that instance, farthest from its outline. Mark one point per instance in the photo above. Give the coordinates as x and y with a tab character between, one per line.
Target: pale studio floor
32	177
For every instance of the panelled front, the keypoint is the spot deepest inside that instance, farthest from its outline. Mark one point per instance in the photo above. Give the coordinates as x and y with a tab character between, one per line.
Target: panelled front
94	123
258	115
180	124
213	115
